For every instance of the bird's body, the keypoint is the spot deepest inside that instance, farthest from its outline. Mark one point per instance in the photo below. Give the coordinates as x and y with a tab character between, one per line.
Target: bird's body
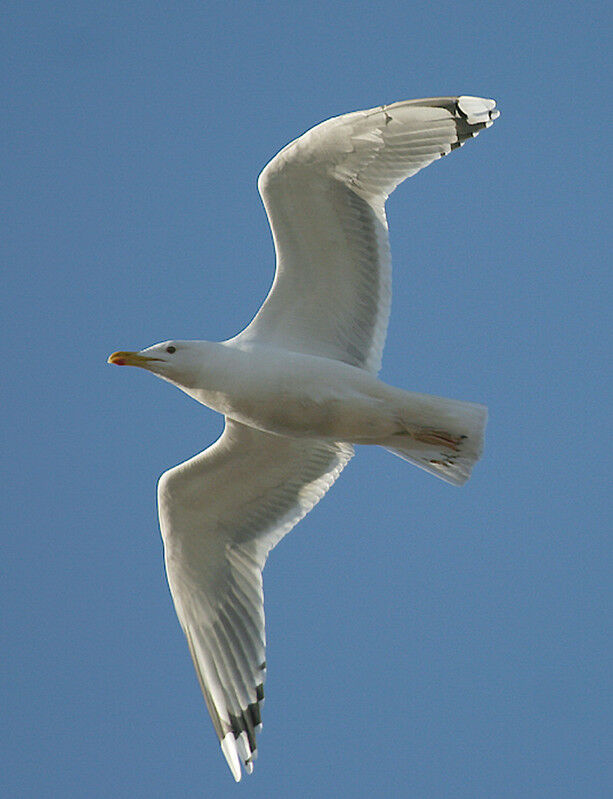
304	396
299	388
314	397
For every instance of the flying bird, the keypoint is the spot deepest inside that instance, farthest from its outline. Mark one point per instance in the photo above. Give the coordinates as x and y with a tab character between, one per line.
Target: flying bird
298	388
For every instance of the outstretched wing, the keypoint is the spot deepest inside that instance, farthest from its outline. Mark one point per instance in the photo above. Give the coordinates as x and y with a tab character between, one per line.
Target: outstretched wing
221	513
325	198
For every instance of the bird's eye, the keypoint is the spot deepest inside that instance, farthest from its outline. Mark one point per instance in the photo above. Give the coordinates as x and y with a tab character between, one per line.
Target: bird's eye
171	349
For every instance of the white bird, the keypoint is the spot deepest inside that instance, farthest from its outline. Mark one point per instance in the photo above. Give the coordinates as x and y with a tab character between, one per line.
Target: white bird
298	388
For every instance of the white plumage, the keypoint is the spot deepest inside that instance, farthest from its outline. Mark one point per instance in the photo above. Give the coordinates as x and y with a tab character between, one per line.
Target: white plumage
299	389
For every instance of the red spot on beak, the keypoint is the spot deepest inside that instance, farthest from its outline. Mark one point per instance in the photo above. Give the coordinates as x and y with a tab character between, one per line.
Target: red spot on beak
122	358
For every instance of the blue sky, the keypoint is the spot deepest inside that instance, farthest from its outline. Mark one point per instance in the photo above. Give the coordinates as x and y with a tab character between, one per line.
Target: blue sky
422	640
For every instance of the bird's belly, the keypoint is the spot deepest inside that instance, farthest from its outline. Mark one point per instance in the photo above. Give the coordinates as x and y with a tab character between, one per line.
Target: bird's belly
304	396
336	418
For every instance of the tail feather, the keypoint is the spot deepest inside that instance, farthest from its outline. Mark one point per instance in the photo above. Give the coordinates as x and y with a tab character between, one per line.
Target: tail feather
451	442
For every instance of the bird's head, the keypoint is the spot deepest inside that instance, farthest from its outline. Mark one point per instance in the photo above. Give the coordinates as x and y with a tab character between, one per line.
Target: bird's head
175	361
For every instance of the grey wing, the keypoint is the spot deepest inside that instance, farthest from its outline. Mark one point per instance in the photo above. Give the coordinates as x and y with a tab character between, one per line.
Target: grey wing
325	198
220	514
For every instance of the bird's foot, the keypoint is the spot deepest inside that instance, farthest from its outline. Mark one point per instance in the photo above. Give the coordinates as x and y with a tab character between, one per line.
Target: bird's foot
438	438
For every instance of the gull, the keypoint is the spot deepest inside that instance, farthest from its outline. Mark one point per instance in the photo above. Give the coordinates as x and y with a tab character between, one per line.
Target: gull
298	388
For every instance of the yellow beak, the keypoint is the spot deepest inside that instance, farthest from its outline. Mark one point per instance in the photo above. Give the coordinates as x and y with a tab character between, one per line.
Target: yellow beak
122	358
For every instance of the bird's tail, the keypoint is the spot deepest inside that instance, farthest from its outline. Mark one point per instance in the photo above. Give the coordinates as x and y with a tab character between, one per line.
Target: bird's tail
448	440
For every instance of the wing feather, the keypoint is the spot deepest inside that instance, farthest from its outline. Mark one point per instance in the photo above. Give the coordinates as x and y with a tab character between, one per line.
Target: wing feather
220	513
325	198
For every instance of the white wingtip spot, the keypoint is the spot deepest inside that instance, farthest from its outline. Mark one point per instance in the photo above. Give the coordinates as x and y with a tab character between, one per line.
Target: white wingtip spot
478	109
228	747
249	767
242	746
